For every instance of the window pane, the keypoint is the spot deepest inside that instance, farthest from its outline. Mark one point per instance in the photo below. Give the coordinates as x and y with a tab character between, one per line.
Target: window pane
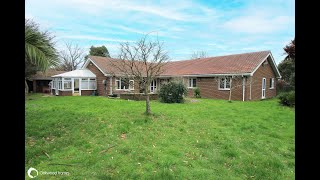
194	82
190	82
131	85
67	79
227	82
222	83
84	84
92	84
124	84
118	84
92	79
270	83
60	84
67	84
84	79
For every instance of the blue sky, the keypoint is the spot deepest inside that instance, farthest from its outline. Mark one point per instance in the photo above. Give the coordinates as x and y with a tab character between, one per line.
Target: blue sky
219	27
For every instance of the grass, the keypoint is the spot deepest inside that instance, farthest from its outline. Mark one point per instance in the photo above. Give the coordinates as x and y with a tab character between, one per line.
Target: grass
101	138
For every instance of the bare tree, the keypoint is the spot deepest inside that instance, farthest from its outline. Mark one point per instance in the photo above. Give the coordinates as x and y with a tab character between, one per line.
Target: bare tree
199	54
71	57
143	62
235	82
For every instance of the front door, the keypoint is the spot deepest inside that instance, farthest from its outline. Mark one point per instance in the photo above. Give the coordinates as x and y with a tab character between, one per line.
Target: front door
153	86
76	87
263	88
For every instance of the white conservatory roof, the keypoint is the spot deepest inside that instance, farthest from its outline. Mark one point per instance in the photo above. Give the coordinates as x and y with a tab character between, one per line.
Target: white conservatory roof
79	73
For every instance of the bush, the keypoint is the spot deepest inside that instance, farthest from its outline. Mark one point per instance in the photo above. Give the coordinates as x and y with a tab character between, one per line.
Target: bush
287	98
172	92
283	86
196	92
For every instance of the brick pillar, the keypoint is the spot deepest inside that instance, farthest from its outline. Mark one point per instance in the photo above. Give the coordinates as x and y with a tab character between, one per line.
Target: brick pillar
34	83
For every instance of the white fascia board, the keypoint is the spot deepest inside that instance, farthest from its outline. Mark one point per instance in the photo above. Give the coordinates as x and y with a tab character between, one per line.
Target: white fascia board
275	66
212	75
90	60
207	75
273	62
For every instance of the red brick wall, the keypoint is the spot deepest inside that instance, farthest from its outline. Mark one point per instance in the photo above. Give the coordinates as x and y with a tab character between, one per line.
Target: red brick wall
86	92
100	77
209	88
264	71
136	87
34	83
65	93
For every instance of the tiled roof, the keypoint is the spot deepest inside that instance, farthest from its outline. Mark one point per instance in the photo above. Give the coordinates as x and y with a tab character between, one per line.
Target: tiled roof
229	64
109	65
46	75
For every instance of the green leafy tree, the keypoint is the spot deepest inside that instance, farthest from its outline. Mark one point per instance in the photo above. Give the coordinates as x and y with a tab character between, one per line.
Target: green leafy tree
98	51
40	53
290	50
287	66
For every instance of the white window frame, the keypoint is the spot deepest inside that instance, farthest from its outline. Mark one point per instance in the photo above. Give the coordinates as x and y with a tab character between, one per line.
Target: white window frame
131	87
225	83
67	81
88	80
272	83
126	88
155	84
263	95
191	82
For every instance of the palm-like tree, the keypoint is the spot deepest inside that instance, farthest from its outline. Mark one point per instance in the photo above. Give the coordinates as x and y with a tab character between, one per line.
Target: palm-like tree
39	48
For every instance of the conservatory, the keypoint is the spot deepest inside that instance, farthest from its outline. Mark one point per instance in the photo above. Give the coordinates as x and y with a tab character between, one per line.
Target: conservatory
79	82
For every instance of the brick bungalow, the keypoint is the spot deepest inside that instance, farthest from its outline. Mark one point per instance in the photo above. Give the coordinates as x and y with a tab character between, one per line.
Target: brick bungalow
39	83
250	76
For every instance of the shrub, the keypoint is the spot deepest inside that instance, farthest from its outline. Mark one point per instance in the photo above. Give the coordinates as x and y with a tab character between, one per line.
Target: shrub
287	98
283	86
196	92
172	92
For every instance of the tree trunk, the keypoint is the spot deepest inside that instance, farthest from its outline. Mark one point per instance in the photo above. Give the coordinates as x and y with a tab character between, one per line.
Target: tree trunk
230	91
26	88
148	110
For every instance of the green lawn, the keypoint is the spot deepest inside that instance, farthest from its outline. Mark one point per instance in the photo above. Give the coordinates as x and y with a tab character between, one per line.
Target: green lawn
101	138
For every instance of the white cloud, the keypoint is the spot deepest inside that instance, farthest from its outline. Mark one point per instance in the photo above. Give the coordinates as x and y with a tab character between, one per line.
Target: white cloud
88	37
178	10
258	24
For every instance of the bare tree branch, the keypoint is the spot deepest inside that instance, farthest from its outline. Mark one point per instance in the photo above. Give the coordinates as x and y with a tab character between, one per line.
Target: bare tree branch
199	54
141	61
71	57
